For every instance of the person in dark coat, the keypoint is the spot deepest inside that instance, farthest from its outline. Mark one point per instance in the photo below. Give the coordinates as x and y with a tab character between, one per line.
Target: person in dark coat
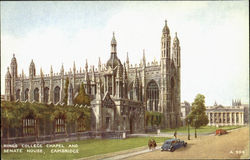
154	144
175	134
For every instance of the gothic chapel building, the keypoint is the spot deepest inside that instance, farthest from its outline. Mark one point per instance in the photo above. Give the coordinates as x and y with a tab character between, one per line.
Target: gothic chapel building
120	93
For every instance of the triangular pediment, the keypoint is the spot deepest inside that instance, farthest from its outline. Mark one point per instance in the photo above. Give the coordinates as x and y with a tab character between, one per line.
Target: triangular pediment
219	107
107	101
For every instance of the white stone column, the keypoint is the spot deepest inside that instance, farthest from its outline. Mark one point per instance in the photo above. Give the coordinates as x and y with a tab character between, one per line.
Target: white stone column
230	118
239	117
217	118
214	118
211	116
242	118
209	122
221	116
226	119
235	118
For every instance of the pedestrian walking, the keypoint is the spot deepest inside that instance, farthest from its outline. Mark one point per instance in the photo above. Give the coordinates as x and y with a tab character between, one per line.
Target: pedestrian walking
175	134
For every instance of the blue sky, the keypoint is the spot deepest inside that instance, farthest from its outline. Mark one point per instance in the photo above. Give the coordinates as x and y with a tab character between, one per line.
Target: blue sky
214	39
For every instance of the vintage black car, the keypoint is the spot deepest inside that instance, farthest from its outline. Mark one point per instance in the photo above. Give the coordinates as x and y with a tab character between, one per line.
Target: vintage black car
173	144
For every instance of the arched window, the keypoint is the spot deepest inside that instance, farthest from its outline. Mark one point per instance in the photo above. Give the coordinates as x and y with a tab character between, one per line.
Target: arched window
56	94
131	91
18	94
36	95
26	94
46	95
60	124
153	96
29	126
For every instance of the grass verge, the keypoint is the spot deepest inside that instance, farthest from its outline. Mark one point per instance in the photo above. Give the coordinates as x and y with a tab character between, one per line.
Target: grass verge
86	148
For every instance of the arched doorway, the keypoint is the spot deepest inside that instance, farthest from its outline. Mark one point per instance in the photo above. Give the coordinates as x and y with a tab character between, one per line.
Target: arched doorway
18	94
36	95
29	125
26	94
153	96
46	95
56	94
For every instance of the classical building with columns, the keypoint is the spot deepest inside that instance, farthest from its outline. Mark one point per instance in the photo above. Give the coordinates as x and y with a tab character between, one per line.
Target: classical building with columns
219	115
120	93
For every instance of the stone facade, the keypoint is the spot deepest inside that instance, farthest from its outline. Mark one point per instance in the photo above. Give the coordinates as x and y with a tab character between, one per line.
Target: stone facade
120	93
185	109
219	115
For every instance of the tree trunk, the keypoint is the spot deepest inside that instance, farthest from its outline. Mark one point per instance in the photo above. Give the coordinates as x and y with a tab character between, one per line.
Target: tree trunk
195	132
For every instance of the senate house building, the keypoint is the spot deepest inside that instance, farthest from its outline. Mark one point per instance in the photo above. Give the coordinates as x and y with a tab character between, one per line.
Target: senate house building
219	115
120	93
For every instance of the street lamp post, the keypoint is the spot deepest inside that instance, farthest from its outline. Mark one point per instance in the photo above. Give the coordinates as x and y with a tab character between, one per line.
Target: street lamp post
188	130
196	118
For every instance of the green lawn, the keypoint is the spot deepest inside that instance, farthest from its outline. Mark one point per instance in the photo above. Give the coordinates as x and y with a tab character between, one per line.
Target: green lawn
205	129
86	148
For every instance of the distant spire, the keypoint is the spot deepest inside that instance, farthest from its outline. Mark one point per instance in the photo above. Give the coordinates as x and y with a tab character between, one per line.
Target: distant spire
99	64
74	67
41	72
86	71
165	28
51	70
113	44
62	68
22	73
215	103
93	73
113	41
144	58
8	76
127	61
86	65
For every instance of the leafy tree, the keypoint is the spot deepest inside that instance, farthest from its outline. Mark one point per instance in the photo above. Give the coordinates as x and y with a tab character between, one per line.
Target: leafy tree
65	99
153	118
197	116
12	114
82	98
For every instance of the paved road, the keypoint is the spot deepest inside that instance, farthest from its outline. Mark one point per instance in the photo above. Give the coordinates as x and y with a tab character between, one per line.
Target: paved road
205	146
233	145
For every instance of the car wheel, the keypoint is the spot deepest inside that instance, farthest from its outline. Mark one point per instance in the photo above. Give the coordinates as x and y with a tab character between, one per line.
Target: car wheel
172	149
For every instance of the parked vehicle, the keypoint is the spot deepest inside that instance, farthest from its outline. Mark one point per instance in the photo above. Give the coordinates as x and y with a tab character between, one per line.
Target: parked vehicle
173	144
220	132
